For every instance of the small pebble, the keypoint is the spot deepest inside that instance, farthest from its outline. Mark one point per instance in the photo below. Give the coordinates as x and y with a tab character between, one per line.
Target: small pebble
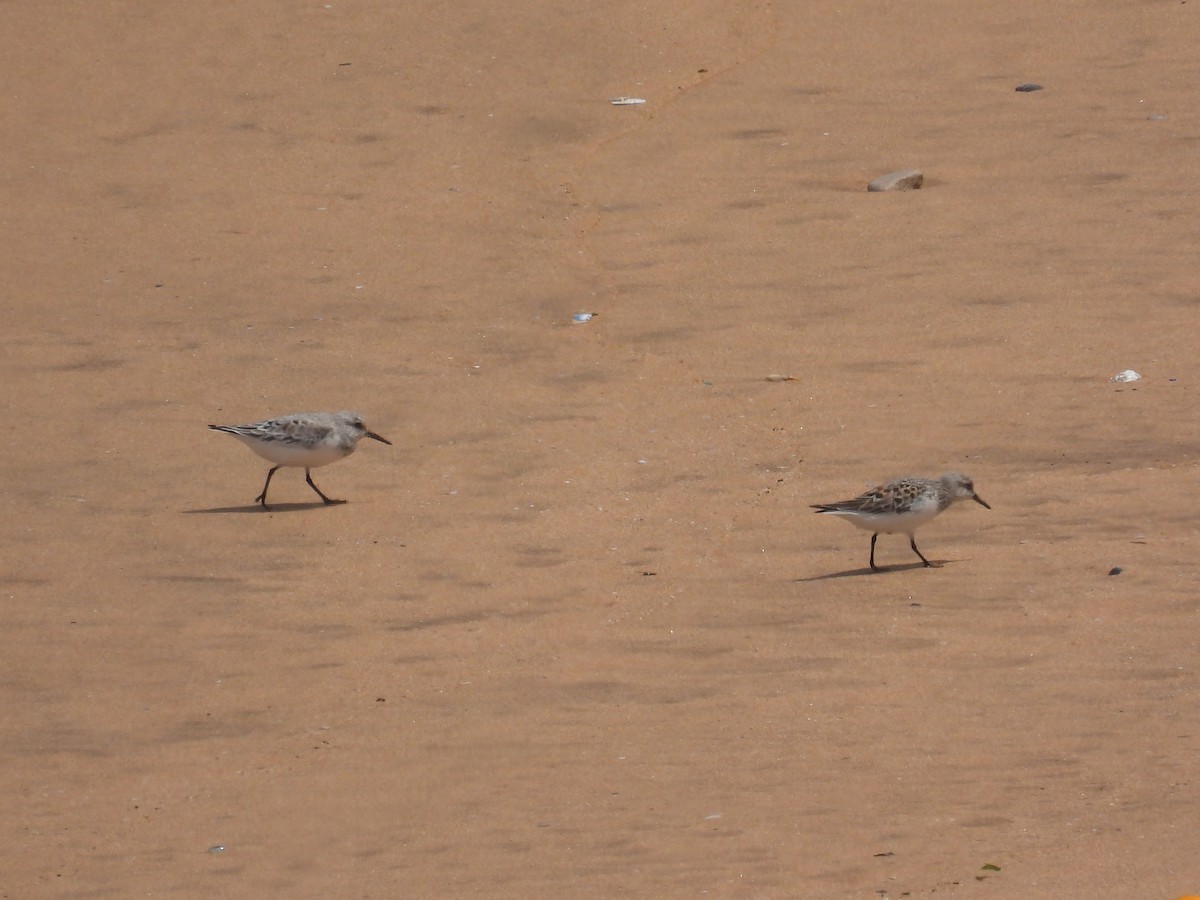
1126	376
1028	87
908	180
781	378
1115	570
218	848
580	318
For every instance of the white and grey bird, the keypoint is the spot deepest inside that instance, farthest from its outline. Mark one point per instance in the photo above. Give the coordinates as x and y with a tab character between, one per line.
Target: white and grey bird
303	441
902	506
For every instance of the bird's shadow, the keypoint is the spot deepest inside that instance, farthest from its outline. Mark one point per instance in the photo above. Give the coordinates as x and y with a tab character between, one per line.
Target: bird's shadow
257	508
866	570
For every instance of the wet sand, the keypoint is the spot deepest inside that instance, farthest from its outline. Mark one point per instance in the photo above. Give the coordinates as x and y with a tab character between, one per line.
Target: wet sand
577	633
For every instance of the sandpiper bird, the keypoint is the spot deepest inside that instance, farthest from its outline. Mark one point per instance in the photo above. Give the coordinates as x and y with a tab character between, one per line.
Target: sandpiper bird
902	506
302	440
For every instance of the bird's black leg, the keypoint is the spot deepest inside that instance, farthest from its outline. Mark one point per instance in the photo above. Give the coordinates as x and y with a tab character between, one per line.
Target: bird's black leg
262	498
912	542
308	478
874	568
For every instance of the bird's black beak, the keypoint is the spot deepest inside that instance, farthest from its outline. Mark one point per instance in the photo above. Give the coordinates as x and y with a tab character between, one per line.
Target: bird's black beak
981	501
384	440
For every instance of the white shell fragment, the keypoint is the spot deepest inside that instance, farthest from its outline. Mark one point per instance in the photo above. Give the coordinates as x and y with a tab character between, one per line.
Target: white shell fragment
626	101
908	180
1127	375
580	318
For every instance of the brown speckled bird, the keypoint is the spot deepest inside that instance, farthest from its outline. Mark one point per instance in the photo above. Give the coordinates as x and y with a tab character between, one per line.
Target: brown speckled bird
902	506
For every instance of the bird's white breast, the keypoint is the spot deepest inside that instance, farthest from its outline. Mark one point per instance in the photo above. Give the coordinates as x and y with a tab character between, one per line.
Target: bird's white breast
905	522
285	453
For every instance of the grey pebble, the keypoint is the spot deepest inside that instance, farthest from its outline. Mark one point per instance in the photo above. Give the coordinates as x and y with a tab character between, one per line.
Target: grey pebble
908	180
1028	87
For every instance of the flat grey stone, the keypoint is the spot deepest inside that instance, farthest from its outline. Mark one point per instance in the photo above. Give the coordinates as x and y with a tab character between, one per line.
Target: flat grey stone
908	180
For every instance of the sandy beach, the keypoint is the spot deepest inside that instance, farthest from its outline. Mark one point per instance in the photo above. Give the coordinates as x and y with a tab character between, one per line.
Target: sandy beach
577	632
